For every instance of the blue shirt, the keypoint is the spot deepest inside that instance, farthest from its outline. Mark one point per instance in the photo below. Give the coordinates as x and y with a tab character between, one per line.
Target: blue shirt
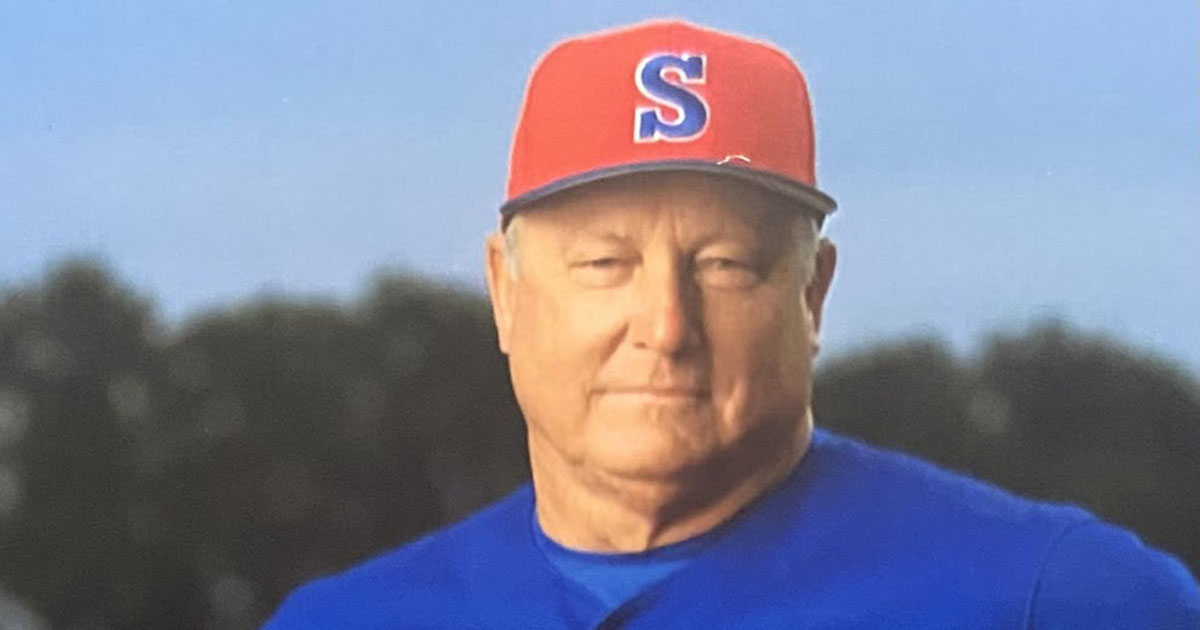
855	537
615	578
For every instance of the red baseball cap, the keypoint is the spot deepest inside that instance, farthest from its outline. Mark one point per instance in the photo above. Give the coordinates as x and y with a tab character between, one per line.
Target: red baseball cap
664	95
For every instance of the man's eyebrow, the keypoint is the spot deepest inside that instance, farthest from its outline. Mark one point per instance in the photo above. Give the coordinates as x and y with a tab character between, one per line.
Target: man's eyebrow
586	234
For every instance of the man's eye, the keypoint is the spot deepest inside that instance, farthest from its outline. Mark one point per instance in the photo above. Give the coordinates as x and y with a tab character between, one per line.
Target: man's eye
727	264
724	264
727	273
602	263
600	272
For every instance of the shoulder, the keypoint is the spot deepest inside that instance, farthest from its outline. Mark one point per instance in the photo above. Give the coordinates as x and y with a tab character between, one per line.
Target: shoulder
428	576
1098	575
907	487
1053	561
890	505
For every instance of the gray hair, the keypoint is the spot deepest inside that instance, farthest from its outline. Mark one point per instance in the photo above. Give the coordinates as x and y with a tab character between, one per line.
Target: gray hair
807	236
510	245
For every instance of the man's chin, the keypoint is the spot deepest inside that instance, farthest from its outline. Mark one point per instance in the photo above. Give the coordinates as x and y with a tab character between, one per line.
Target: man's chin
659	463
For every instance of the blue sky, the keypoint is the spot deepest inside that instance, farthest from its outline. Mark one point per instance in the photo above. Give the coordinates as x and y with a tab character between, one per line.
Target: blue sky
995	162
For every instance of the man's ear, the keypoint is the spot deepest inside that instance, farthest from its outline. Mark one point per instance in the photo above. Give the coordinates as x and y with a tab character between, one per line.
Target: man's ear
818	287
500	285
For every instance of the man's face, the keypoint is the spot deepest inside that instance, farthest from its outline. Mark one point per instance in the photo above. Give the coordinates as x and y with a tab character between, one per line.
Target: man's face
656	323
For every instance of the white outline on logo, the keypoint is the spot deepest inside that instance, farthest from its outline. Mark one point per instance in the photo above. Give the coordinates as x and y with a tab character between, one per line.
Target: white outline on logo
683	80
734	156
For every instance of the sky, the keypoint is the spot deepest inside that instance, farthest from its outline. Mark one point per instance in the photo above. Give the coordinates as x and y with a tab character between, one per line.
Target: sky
995	163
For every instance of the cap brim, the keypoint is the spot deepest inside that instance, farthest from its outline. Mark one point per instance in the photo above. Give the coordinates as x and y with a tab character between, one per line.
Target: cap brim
807	196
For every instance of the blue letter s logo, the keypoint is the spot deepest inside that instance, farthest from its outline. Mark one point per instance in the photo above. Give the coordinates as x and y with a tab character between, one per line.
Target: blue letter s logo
691	112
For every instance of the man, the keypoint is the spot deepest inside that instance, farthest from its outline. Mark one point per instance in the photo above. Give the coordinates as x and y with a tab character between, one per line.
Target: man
658	287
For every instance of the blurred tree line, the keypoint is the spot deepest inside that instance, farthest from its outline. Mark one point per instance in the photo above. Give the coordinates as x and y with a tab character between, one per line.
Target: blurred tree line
190	478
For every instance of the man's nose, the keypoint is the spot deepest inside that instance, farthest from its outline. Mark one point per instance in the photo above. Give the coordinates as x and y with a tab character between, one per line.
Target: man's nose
667	321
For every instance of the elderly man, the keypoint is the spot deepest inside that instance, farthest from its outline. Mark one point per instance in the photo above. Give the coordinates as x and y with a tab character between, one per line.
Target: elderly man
658	285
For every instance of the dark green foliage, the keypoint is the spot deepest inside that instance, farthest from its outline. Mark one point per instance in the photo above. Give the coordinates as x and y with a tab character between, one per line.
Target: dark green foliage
65	542
190	479
1049	413
1097	424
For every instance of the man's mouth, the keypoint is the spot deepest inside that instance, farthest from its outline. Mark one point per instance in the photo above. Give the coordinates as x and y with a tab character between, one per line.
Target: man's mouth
658	392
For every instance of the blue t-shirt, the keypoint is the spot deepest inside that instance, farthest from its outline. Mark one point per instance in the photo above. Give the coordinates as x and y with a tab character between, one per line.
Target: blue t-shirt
615	578
855	537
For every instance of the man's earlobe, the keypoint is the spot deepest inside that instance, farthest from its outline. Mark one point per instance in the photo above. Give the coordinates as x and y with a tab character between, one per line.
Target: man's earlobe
818	288
499	284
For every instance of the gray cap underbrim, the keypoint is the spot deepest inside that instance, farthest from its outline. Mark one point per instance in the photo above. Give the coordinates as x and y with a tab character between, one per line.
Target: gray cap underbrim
807	196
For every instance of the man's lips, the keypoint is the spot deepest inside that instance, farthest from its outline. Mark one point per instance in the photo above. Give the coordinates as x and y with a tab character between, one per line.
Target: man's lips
655	391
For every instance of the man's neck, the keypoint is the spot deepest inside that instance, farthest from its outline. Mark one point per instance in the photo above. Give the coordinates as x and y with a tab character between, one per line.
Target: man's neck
589	510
